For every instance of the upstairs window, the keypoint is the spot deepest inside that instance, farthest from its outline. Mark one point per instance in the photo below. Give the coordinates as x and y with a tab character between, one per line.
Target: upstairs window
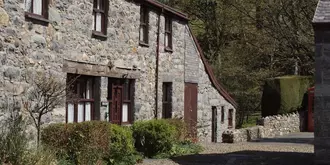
168	34
144	26
100	13
37	8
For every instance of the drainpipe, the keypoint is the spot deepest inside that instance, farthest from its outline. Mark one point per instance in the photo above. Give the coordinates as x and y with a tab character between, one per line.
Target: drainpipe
157	64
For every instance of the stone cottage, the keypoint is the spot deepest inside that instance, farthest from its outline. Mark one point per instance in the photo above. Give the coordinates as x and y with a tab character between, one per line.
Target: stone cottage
321	23
136	60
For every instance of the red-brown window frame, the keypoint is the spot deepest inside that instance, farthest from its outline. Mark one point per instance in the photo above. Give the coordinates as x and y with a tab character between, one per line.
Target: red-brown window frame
43	17
76	101
104	10
144	24
167	100
169	33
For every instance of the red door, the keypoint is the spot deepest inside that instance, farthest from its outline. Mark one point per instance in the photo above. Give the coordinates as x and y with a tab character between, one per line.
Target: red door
116	105
190	107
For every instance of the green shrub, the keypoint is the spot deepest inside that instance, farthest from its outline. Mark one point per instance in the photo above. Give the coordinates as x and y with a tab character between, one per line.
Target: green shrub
122	151
181	149
91	143
79	142
181	129
154	137
282	95
13	140
39	156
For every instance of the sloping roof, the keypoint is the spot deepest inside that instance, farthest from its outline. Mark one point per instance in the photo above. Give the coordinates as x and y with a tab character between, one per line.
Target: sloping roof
165	8
212	77
208	68
322	13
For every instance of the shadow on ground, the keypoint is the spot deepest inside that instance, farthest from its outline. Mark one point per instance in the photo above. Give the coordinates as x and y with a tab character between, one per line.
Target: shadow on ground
286	140
247	158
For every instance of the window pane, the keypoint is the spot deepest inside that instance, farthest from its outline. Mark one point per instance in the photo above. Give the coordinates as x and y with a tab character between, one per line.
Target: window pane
125	113
70	113
98	22
166	40
80	112
88	112
37	7
142	33
89	87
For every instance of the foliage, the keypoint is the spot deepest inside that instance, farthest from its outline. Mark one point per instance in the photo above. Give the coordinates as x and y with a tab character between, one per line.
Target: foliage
154	137
181	129
39	156
122	151
180	149
13	140
90	143
284	94
79	142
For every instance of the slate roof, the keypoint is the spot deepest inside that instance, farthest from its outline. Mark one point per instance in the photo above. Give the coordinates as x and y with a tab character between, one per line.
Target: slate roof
322	13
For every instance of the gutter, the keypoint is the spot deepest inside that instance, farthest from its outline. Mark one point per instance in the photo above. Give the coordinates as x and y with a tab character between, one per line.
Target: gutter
157	65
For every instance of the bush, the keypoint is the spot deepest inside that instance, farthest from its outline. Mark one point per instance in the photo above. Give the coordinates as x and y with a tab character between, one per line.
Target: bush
122	151
154	137
181	149
181	129
90	143
40	156
13	141
284	95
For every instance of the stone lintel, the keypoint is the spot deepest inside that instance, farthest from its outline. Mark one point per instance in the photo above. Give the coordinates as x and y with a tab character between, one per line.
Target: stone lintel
83	68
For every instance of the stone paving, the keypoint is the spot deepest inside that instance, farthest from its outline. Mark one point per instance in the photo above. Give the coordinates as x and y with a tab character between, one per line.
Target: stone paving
288	150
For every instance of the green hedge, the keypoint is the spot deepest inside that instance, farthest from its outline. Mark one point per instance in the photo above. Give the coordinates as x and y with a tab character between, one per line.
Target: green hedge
154	137
282	95
90	142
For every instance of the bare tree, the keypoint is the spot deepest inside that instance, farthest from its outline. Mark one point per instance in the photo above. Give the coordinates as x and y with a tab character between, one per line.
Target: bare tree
45	94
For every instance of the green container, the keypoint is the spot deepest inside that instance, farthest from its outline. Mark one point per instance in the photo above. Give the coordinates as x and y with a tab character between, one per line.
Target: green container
282	95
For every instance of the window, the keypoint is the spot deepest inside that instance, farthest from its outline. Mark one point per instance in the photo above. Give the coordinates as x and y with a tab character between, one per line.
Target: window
37	9
100	13
222	114
168	34
214	124
230	118
144	26
80	99
120	98
167	100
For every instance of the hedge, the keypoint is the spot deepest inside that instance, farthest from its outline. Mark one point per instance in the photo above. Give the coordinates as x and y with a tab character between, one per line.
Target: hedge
90	142
154	137
282	95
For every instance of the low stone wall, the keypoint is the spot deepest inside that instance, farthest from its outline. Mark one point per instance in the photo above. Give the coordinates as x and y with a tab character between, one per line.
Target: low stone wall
267	127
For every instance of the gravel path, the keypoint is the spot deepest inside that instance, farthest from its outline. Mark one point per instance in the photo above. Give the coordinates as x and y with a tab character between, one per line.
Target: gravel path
265	152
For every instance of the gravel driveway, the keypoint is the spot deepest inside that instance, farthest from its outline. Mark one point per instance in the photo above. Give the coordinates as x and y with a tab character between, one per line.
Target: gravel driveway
288	150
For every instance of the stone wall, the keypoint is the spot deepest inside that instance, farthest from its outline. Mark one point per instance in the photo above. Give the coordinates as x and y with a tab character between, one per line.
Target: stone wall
66	45
268	127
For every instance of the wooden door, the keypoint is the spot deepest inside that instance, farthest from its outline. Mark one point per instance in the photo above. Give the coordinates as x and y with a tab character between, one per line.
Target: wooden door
190	107
116	105
214	124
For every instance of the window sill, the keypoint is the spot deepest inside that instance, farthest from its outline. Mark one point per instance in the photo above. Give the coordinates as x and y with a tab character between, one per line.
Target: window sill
36	18
168	49
99	35
143	44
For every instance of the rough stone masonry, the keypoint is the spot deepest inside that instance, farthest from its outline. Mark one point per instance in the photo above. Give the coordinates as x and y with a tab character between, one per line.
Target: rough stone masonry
321	24
65	45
